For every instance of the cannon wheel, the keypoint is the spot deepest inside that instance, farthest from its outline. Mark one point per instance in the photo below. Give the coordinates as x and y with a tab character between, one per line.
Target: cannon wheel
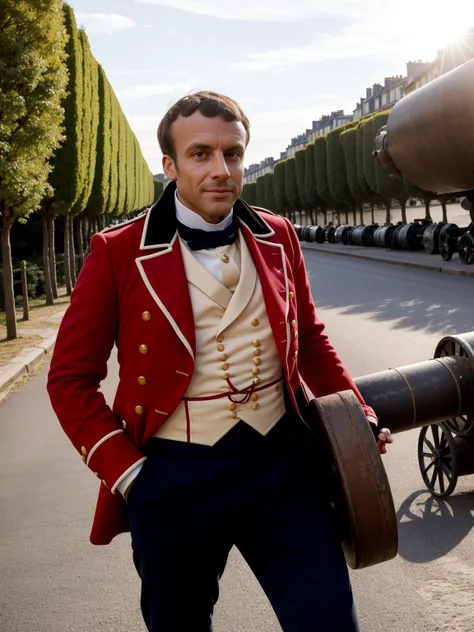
446	250
438	459
458	345
359	486
466	249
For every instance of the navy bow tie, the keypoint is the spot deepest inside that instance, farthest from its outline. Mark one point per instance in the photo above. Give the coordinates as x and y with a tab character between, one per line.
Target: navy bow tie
198	239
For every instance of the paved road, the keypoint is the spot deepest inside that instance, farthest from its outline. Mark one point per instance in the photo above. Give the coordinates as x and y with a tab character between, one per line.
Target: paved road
52	580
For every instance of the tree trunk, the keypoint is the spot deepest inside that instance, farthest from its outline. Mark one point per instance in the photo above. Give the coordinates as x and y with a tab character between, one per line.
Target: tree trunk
361	213
96	226
52	258
346	213
372	213
445	211
67	269
80	239
354	213
72	251
403	208
8	292
388	208
427	209
48	288
100	222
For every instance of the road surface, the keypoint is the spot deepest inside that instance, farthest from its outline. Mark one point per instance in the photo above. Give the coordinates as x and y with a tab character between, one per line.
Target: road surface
53	580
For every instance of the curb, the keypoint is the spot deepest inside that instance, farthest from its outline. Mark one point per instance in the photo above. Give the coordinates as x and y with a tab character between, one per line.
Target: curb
25	363
406	264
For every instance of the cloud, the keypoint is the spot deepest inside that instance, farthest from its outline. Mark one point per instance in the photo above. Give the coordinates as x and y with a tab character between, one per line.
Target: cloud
135	71
136	93
104	23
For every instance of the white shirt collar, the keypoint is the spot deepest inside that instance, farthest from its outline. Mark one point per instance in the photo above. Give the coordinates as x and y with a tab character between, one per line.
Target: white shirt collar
194	220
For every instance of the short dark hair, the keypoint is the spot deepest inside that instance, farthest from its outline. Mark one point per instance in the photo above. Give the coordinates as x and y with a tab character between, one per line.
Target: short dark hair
209	104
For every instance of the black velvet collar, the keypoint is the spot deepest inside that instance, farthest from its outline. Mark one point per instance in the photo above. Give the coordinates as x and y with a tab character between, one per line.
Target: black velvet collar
160	224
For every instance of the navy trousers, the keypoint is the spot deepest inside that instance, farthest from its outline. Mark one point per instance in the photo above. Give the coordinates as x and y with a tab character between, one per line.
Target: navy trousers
191	503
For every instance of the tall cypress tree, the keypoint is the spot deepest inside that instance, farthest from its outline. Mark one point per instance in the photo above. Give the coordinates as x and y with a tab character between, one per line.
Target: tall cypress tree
270	203
261	197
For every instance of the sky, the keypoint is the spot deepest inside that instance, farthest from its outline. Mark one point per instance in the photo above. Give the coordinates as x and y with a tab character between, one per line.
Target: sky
287	62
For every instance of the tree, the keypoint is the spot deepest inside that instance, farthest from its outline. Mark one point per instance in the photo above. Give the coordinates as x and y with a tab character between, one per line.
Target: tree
33	83
261	199
300	161
270	203
249	193
281	201
158	189
336	169
322	184
310	185
291	187
349	143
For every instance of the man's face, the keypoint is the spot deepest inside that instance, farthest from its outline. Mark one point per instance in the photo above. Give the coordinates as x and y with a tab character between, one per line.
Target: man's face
209	165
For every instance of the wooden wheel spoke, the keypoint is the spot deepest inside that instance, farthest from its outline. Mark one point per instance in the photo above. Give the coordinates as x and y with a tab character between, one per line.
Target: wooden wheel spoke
441	481
435	431
428	467
447	471
430	445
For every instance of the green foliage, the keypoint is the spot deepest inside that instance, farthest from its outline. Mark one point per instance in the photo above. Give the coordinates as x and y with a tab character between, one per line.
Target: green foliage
114	140
32	86
320	158
101	186
310	184
270	203
349	143
122	163
261	192
249	193
336	168
281	201
158	188
364	185
368	162
291	185
300	160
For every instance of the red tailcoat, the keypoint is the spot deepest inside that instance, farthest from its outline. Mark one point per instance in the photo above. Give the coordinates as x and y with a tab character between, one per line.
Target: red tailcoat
132	292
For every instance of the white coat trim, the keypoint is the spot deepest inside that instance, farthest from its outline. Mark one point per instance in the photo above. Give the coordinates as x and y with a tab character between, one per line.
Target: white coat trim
149	287
99	443
126	223
287	297
270	233
126	473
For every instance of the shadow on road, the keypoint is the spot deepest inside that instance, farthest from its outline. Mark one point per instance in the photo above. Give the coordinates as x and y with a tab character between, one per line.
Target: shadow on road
429	527
410	298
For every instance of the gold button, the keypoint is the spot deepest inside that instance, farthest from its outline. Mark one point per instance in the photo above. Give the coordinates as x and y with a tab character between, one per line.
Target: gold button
295	355
256	371
139	410
232	406
224	258
224	357
293	323
255	322
124	424
277	388
104	482
256	380
257	361
225	366
255	397
255	405
291	295
233	415
84	451
143	349
220	347
257	352
296	334
220	338
83	458
225	376
256	343
142	380
146	316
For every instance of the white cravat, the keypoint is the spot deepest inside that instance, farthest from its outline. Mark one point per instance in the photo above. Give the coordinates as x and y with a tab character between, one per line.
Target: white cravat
209	259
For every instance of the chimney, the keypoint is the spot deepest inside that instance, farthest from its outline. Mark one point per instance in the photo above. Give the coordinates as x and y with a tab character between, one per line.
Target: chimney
368	93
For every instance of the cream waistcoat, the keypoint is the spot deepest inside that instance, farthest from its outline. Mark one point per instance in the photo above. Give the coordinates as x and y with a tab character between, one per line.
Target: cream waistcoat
234	342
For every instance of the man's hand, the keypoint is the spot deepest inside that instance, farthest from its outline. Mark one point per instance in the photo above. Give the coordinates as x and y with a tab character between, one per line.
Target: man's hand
384	436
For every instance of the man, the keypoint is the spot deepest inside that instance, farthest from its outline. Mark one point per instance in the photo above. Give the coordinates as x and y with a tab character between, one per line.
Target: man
209	305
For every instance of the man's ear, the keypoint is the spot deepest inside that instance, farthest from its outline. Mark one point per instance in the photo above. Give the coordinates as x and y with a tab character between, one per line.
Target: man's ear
169	167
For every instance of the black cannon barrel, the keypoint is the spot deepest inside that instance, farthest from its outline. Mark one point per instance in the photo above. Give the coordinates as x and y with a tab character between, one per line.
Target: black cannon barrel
420	394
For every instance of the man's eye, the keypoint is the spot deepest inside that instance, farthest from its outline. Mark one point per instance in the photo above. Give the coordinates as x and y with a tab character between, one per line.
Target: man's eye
233	154
198	154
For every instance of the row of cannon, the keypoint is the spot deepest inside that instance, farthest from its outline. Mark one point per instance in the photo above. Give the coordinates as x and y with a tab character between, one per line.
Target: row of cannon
421	234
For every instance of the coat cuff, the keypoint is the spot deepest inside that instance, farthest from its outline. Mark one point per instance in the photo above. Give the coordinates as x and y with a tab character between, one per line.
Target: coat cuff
112	458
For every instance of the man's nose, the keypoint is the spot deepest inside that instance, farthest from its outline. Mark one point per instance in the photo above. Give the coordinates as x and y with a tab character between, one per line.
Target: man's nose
220	170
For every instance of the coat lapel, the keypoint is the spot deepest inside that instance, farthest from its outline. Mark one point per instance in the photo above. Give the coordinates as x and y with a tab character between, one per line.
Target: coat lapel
162	269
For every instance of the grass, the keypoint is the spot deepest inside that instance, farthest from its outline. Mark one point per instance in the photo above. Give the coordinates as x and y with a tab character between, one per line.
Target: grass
39	314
